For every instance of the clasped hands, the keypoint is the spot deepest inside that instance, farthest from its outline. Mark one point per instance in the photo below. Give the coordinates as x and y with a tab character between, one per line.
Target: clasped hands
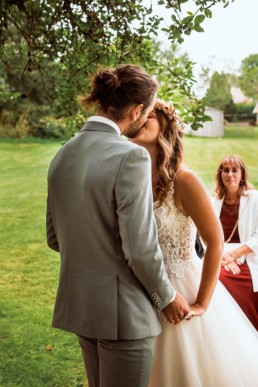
180	310
229	263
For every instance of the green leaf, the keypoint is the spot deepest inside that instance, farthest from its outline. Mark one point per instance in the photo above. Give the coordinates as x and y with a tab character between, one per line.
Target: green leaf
186	20
208	13
198	28
199	19
196	126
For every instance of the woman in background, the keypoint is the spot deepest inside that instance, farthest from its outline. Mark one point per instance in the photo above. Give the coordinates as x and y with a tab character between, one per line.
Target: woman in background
236	204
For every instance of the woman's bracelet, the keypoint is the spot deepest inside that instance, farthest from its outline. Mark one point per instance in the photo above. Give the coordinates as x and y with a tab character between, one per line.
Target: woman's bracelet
201	305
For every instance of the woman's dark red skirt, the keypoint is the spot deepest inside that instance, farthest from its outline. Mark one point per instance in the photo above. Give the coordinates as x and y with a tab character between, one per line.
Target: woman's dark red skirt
241	288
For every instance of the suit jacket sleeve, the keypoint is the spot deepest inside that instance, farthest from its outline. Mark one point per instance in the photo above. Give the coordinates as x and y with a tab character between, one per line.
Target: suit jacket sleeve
51	235
138	227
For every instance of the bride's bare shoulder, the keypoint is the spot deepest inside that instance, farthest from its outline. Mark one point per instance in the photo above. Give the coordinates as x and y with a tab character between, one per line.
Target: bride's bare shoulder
185	177
188	188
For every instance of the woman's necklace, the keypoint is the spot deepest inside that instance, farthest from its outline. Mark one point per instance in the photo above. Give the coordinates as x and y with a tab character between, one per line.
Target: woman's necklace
232	201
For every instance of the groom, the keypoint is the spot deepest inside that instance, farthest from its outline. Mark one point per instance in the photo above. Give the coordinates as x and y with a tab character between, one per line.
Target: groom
100	219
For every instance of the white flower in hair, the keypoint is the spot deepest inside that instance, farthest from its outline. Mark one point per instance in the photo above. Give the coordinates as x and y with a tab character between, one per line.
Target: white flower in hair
168	109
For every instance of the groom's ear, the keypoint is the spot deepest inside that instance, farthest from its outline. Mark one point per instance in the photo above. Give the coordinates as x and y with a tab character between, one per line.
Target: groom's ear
136	111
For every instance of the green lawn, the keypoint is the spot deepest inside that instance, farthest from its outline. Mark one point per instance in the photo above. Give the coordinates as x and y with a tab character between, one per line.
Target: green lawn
31	352
204	154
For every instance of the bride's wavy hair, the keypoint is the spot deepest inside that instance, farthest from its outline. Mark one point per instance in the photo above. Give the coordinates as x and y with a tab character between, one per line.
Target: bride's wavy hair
170	153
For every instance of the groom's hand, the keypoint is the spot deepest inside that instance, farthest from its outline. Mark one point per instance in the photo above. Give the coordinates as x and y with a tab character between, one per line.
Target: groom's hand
175	311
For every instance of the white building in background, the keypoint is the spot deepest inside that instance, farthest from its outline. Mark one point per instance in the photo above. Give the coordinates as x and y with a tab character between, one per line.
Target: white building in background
214	128
238	96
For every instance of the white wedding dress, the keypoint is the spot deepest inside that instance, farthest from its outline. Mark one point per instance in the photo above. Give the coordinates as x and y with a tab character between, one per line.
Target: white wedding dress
218	349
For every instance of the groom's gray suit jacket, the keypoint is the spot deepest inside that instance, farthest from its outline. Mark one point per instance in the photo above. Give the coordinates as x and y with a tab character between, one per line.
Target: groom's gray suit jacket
100	219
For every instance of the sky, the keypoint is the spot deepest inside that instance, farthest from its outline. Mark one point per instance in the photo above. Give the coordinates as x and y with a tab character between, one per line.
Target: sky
229	36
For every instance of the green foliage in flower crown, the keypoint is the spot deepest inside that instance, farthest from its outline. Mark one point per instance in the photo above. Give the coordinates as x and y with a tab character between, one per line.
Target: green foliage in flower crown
49	49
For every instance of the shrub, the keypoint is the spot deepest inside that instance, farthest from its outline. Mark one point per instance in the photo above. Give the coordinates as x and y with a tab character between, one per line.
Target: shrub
50	127
240	112
20	129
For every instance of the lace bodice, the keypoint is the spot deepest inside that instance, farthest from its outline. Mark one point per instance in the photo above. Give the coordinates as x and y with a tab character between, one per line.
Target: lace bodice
177	234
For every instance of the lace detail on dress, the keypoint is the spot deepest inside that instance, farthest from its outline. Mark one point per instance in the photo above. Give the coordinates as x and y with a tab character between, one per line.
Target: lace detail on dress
177	234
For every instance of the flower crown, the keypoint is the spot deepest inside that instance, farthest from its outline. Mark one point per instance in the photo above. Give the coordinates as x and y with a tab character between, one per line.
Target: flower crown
168	109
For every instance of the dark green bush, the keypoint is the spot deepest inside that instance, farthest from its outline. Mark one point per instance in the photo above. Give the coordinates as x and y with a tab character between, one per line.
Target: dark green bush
239	112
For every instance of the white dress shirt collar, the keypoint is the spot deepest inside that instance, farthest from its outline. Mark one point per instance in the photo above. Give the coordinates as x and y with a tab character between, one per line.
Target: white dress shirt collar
107	121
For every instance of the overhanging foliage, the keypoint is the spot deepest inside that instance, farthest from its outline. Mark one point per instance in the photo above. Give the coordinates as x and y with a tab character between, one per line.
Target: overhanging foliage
49	49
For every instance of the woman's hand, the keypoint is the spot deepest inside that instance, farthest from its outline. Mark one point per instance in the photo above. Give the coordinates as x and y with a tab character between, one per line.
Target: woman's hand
227	258
196	309
233	267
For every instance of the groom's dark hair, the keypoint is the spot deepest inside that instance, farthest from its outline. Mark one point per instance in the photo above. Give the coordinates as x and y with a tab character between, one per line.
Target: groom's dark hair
115	90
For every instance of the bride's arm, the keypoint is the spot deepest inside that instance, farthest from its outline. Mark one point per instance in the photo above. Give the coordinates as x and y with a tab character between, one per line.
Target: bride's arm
192	198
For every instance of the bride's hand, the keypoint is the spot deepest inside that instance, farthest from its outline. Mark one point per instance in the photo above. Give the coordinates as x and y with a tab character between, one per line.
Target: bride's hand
195	310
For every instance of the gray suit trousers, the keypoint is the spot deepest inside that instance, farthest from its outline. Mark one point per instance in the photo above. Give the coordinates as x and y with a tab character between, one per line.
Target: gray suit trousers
122	363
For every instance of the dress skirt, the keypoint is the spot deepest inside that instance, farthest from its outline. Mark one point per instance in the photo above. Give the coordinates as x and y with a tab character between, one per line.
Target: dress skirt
241	288
218	349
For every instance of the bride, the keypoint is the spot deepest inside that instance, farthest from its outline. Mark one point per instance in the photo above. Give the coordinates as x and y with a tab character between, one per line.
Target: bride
215	345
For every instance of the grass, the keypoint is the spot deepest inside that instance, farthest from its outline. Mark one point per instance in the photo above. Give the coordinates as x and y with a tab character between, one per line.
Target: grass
203	154
32	354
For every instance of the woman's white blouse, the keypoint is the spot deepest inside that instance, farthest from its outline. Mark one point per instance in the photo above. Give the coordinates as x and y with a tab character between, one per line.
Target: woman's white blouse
247	229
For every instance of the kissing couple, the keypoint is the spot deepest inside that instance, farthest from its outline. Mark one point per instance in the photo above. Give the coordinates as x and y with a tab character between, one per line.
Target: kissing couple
122	212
